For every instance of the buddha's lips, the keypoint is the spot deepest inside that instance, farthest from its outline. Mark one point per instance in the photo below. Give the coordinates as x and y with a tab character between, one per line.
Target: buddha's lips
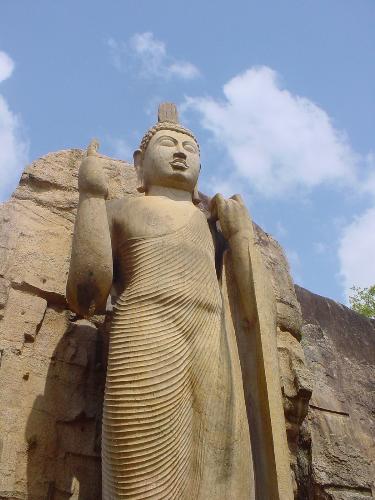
179	164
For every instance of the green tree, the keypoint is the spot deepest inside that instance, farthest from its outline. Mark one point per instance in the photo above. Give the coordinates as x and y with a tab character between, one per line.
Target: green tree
363	300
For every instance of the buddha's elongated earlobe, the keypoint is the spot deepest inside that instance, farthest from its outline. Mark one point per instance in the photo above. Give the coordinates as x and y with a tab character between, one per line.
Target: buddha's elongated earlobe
137	157
196	198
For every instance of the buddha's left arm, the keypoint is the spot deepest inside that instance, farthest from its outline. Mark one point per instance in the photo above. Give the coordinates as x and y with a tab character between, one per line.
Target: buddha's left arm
237	229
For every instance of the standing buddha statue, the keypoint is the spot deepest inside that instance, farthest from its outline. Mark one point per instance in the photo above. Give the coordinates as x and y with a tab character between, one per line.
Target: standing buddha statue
175	420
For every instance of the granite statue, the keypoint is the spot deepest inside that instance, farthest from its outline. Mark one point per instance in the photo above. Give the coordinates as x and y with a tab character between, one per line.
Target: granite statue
183	416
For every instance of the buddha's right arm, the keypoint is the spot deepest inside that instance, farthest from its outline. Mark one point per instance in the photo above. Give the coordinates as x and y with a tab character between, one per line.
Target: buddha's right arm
91	269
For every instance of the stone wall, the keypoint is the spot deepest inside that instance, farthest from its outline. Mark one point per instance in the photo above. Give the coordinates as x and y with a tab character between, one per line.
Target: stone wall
53	363
339	346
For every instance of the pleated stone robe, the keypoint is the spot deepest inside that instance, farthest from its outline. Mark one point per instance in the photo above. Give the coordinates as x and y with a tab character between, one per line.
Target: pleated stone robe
174	424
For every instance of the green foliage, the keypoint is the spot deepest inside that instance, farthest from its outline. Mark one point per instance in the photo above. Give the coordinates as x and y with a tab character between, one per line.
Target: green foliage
363	300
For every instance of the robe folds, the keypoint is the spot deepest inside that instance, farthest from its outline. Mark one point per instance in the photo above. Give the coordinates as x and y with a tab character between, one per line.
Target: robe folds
175	424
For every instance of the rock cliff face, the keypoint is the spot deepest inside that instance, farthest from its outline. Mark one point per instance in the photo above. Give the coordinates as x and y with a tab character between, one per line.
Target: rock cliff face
52	364
339	345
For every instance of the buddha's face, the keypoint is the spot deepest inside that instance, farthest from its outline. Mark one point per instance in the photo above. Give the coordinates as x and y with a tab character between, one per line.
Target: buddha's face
171	160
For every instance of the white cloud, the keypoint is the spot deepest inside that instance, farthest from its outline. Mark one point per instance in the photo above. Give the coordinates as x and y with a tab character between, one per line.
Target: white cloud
184	70
6	66
282	144
147	44
147	57
277	141
116	53
150	53
368	184
357	252
13	148
356	247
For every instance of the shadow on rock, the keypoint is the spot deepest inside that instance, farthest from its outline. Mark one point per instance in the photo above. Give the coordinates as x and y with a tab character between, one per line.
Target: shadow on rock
63	432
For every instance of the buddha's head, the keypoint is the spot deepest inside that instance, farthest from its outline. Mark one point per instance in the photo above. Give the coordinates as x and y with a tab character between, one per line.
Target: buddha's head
168	155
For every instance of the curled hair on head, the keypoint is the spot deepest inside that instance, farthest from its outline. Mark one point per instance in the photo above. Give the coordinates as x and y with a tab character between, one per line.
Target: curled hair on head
164	125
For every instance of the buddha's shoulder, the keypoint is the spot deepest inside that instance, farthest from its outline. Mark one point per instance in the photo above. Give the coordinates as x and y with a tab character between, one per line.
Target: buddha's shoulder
117	205
138	204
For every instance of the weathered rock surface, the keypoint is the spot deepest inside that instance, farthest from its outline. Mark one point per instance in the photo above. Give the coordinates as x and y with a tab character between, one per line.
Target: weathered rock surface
339	346
53	363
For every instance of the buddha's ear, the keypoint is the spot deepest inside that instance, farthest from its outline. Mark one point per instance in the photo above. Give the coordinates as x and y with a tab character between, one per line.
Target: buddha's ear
196	198
137	157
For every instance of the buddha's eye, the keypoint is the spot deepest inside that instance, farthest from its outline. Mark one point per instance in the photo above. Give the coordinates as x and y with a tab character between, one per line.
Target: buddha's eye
166	141
190	147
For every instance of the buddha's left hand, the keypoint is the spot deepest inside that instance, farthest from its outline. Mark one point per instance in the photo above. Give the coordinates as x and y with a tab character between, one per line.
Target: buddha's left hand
232	214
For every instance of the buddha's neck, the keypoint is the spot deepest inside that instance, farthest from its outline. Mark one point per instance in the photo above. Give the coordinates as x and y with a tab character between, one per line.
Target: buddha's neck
171	193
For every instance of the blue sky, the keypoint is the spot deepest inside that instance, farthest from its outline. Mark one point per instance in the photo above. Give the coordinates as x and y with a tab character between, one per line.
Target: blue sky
280	95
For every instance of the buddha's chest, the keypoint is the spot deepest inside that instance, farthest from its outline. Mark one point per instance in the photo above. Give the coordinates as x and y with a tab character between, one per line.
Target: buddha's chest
173	264
159	242
153	218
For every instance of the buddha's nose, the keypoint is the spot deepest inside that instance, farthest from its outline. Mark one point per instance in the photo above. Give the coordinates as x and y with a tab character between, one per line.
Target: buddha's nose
180	154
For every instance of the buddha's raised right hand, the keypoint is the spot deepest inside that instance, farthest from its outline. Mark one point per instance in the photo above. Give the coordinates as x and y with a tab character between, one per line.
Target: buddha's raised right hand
91	177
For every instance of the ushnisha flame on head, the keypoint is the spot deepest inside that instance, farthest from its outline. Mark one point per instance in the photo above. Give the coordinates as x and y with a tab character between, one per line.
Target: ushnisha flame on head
167	120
